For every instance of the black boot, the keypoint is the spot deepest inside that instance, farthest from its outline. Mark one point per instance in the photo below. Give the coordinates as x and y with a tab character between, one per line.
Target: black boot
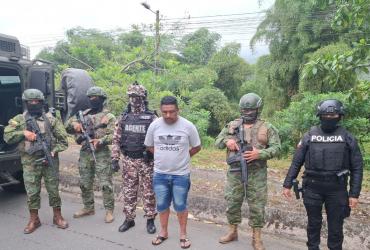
127	224
150	227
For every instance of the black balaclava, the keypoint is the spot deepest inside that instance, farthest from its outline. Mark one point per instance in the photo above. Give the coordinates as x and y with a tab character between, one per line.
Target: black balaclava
96	104
249	118
329	125
137	104
35	109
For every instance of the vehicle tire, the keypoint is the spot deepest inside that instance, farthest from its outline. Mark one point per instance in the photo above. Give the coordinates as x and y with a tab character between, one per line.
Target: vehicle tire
19	188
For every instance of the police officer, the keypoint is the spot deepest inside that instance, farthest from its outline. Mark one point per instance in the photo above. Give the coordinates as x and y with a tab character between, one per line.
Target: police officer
330	154
128	141
33	159
100	124
264	143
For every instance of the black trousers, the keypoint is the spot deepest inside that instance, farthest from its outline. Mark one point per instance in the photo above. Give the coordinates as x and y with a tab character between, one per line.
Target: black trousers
334	196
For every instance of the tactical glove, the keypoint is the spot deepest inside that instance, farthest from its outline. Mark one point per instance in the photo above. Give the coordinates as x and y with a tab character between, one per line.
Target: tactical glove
115	165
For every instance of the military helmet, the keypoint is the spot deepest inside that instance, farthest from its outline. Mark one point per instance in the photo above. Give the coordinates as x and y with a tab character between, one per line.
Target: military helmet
32	94
96	91
251	101
137	89
330	106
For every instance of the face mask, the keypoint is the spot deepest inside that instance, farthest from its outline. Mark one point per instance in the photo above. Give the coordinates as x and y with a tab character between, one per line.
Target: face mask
96	103
35	109
329	125
136	101
250	117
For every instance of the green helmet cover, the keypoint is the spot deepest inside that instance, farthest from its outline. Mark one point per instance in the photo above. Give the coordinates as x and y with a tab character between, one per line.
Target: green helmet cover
251	101
96	91
32	94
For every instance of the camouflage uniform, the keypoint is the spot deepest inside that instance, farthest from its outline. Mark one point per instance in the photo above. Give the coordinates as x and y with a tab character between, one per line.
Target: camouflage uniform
137	173
264	139
260	135
103	124
34	167
32	171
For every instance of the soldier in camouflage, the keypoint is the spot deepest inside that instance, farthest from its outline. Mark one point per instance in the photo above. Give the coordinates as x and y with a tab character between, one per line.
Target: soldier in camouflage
101	124
264	139
33	159
137	163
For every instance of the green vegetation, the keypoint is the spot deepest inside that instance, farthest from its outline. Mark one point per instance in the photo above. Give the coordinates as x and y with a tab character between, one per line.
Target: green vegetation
318	49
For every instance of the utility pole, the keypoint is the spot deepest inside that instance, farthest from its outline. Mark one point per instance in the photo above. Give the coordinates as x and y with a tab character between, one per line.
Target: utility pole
157	36
157	41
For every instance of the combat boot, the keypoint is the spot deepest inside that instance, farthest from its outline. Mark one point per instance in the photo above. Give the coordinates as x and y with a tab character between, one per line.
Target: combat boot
150	227
257	240
109	216
231	235
58	218
127	224
34	222
83	212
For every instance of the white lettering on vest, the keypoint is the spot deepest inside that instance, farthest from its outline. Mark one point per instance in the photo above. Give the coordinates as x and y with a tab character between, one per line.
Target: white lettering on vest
135	128
326	138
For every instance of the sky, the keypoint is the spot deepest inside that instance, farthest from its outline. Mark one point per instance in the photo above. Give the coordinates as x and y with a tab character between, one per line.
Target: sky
40	23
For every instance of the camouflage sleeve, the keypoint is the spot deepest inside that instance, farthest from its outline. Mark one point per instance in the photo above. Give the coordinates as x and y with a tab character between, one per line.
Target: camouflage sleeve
108	137
224	136
69	125
13	133
116	148
274	145
60	135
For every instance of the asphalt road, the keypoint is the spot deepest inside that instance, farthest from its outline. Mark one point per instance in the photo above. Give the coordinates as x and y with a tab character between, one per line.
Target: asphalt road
92	233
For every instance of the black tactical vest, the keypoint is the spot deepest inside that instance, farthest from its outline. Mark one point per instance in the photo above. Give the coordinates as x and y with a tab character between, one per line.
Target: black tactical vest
134	128
327	152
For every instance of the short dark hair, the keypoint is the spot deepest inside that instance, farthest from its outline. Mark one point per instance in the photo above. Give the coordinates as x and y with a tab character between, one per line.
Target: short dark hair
169	100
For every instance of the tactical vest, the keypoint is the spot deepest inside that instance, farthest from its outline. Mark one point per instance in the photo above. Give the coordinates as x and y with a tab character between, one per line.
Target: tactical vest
258	133
327	152
96	126
134	128
33	148
258	137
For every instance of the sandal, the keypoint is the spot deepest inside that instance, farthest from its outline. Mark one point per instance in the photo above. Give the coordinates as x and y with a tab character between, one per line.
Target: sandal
183	243
158	240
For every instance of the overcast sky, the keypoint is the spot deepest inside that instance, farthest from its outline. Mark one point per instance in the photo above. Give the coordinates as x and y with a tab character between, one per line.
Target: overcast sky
40	23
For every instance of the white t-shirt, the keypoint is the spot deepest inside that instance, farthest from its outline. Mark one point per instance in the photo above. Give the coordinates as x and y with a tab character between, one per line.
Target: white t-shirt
172	143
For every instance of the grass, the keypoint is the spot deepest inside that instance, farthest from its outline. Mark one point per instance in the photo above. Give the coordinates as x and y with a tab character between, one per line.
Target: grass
212	158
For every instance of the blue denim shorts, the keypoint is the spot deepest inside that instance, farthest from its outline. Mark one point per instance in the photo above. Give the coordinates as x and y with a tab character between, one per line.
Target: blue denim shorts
168	188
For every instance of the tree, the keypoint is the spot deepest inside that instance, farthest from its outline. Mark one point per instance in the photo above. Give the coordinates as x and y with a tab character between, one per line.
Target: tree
231	69
198	47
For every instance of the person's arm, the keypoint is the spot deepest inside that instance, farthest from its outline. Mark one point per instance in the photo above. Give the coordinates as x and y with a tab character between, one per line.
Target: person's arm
274	145
14	132
150	149
61	137
149	139
297	162
356	168
109	119
116	143
194	150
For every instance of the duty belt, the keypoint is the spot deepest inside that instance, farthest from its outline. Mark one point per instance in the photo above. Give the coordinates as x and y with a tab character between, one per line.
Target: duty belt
134	154
323	178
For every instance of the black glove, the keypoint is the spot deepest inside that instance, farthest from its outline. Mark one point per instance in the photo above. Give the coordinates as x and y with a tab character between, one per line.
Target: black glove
115	165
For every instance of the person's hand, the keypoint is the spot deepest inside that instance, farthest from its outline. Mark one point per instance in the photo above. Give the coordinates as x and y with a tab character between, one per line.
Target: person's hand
115	165
77	127
232	145
251	155
30	136
353	202
287	193
96	143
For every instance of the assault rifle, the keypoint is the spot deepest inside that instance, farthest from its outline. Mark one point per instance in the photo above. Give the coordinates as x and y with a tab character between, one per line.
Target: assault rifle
297	189
41	142
238	158
86	133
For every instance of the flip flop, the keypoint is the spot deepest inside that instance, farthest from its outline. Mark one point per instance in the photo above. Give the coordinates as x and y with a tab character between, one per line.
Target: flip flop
158	240
183	243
